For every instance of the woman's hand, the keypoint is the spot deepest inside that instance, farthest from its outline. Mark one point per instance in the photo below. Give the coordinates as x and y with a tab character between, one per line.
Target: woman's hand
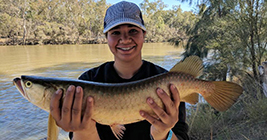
69	117
167	118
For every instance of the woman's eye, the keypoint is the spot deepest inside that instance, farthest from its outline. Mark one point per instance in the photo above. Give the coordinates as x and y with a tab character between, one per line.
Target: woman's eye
115	33
133	31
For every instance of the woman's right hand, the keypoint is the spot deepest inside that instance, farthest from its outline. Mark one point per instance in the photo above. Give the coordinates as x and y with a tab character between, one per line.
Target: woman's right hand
69	116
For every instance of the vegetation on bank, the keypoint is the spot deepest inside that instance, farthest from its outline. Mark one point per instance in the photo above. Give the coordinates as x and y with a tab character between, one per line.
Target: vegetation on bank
81	21
229	34
246	120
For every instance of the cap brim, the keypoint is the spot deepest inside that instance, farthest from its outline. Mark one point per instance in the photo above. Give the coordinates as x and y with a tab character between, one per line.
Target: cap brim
124	22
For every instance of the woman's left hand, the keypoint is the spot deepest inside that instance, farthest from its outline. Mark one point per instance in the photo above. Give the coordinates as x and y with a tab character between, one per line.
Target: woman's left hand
167	118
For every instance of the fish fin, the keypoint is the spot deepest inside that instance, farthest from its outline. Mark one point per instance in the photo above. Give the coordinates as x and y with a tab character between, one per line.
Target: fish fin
52	130
118	130
191	98
224	96
192	65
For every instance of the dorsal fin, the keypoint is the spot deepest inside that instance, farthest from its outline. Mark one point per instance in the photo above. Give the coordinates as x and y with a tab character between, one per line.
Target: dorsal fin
192	65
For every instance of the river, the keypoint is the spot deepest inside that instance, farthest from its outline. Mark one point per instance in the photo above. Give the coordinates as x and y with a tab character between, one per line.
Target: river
21	120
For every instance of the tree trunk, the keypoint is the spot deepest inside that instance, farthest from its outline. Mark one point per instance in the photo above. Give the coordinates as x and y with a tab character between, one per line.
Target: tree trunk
252	34
24	23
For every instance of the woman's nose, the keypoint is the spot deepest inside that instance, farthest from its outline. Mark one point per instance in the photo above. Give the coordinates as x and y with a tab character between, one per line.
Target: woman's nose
125	38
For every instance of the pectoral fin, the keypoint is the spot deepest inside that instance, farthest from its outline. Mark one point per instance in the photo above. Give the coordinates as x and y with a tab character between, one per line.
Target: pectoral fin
118	130
52	130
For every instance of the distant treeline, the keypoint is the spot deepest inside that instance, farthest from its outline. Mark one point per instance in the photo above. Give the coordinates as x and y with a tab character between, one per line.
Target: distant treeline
230	34
33	22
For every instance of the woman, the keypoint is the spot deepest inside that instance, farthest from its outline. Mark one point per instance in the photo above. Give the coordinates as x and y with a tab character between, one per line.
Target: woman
125	32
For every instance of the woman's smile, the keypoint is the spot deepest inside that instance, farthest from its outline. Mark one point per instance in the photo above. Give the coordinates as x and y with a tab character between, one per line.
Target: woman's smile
126	48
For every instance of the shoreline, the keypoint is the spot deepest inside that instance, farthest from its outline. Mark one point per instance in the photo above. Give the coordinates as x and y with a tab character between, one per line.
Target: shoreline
83	41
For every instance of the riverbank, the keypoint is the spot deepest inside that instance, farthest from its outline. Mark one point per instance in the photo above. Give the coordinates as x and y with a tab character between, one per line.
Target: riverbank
51	41
62	41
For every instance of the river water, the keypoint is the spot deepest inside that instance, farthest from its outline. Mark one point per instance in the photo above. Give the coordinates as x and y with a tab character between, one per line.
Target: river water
21	120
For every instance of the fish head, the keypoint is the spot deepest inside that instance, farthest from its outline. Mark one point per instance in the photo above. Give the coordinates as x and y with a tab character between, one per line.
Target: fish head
36	92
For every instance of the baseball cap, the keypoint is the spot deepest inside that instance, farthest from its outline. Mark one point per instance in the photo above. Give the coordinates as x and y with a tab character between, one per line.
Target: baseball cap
123	13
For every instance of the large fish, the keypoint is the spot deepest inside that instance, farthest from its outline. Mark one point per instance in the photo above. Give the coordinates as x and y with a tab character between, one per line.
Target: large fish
120	103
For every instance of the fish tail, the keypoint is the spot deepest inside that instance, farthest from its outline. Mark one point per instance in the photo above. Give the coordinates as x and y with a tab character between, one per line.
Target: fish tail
224	96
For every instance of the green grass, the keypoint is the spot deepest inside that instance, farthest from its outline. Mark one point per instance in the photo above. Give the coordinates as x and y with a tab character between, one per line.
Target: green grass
245	120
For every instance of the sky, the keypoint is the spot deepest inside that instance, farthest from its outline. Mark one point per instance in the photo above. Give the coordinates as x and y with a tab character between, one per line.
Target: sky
185	6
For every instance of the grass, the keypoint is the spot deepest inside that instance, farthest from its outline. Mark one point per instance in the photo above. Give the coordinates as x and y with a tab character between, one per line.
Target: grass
245	120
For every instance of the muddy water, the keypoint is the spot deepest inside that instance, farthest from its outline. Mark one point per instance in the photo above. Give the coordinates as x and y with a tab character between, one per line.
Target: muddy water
19	119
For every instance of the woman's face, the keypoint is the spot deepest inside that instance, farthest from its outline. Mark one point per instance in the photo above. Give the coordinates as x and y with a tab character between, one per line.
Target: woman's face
125	42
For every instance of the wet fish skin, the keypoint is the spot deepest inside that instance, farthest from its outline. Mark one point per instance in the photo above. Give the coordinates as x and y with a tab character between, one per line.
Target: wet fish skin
117	103
120	103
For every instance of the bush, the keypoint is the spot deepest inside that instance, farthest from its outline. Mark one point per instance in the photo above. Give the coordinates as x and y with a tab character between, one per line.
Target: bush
246	119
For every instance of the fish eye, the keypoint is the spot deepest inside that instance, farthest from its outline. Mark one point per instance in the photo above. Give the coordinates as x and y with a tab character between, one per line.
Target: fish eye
28	84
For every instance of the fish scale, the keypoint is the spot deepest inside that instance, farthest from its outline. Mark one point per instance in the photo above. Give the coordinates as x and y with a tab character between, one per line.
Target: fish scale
120	103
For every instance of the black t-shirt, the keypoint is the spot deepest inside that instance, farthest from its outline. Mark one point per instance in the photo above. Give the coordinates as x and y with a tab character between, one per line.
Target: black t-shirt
140	130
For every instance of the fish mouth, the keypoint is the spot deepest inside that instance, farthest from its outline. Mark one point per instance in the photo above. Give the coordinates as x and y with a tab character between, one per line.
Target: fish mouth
126	48
18	83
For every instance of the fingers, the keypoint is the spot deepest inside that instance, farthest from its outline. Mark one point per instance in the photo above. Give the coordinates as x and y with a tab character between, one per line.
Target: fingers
171	106
67	104
88	110
55	105
77	106
162	116
158	110
152	120
69	116
175	95
168	103
168	117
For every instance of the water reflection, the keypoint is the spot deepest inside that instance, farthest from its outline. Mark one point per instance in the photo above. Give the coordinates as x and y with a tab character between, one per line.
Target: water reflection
21	120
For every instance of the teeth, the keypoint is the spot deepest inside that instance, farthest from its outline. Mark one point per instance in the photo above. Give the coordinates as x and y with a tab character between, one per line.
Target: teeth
126	49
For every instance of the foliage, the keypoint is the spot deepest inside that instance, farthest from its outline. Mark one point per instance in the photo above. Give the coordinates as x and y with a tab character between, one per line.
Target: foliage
52	22
8	25
244	120
77	22
232	33
231	37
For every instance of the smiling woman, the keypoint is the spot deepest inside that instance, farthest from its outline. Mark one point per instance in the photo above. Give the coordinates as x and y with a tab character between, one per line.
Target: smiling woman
125	31
126	42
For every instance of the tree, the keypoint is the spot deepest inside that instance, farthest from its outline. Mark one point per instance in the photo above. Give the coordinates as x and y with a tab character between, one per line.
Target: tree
81	21
153	17
234	31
